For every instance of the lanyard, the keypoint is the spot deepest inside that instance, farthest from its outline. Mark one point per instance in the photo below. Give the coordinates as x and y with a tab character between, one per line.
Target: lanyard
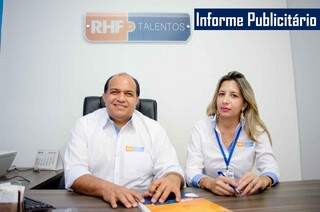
233	145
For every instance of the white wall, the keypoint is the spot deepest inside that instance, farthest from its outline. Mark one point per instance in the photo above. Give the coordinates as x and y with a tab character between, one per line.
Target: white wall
305	53
47	68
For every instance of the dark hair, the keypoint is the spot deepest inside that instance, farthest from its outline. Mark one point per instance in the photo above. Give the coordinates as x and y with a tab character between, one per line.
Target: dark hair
106	86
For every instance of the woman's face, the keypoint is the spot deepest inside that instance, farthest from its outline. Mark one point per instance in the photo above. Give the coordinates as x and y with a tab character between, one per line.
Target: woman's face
230	101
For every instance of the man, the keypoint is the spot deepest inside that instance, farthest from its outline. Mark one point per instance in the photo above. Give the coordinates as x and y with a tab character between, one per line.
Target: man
116	151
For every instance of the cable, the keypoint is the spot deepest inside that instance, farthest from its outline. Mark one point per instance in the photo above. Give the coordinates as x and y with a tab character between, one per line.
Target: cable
19	176
14	168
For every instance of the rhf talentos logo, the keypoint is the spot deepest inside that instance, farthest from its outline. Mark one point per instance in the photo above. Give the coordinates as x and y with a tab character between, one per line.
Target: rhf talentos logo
137	27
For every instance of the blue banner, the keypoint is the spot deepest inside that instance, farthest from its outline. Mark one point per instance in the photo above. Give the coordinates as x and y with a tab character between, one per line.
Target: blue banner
1	12
160	27
256	19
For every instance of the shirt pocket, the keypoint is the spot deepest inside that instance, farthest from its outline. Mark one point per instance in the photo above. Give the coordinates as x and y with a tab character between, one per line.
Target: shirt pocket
244	154
137	161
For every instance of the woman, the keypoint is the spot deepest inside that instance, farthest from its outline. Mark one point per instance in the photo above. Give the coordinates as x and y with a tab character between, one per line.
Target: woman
230	142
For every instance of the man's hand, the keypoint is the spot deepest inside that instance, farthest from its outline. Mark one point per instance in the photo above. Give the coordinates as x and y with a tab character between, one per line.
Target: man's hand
219	185
113	193
250	183
109	192
162	187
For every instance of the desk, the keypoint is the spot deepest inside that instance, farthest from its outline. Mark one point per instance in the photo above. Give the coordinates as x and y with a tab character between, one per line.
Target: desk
41	179
298	196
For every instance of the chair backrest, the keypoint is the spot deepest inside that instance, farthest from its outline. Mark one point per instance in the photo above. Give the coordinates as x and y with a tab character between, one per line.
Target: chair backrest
148	107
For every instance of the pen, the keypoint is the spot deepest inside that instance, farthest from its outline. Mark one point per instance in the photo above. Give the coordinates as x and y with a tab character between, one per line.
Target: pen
234	188
143	208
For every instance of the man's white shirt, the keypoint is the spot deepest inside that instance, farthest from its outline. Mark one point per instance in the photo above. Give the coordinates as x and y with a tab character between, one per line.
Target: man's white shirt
132	157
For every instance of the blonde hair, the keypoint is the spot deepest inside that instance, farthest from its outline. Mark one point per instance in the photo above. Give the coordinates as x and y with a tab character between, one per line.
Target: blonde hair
254	126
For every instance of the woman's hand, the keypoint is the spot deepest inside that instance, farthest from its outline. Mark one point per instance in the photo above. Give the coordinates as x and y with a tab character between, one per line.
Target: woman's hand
250	183
219	185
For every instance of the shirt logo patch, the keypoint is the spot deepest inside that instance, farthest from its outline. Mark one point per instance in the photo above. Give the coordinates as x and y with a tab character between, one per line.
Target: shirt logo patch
244	143
134	148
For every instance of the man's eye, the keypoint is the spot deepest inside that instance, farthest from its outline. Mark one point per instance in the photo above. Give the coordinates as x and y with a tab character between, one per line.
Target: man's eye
129	94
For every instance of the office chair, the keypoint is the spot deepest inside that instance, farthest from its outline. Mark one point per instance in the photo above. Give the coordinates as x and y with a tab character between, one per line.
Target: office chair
147	107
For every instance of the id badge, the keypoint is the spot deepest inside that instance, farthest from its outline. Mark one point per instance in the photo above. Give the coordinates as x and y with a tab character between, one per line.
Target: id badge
229	173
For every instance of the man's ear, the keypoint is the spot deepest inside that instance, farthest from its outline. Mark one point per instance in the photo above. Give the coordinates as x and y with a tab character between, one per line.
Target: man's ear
138	102
104	96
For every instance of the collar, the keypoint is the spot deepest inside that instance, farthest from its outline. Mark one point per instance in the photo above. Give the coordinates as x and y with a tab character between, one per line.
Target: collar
213	119
107	121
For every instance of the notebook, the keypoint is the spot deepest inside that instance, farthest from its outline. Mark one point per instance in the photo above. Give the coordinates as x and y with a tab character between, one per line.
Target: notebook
188	205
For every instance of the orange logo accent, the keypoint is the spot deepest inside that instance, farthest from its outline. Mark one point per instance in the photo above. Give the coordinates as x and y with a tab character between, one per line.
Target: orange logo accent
244	143
108	27
240	143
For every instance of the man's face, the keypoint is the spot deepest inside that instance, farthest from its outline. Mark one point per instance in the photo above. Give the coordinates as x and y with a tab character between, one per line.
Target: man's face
121	99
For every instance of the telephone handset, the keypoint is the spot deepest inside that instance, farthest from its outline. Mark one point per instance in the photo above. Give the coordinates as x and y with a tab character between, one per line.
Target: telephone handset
46	160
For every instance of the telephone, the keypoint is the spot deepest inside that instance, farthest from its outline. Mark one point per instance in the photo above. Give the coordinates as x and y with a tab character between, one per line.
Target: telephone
46	160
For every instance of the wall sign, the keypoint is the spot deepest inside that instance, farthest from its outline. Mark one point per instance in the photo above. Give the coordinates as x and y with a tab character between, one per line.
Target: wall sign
137	27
